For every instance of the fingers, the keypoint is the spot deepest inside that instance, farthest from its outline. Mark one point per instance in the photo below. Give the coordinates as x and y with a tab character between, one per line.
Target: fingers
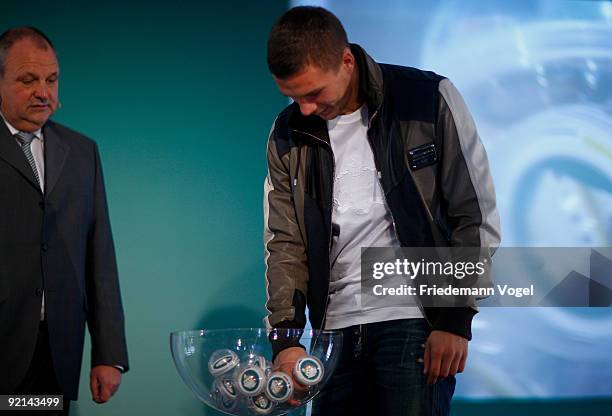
94	386
286	365
450	363
107	389
298	394
445	355
285	362
435	362
287	368
462	362
299	390
293	402
104	382
106	393
100	391
454	365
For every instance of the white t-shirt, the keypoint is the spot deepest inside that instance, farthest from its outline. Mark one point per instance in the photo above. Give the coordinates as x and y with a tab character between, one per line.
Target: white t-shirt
364	220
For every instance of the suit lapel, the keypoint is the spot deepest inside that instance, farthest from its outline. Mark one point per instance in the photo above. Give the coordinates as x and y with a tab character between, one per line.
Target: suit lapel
10	151
56	151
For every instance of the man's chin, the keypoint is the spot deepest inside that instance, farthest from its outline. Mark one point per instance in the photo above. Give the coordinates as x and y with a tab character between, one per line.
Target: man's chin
328	116
39	116
35	123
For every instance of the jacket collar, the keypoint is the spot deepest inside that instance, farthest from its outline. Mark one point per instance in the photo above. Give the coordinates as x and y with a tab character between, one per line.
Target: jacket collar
56	151
13	155
370	78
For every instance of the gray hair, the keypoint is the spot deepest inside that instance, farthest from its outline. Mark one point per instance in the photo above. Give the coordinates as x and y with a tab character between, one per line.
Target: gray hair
15	34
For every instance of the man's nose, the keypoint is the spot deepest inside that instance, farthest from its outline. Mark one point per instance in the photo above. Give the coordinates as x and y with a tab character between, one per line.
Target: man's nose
307	108
41	91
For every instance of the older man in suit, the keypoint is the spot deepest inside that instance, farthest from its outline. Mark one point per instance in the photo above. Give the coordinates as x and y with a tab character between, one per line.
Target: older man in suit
57	260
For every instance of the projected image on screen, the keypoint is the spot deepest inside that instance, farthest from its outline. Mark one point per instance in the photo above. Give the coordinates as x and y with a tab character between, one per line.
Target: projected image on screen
537	76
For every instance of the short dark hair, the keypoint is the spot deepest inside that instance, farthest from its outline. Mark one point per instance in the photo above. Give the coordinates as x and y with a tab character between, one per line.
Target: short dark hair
305	35
15	34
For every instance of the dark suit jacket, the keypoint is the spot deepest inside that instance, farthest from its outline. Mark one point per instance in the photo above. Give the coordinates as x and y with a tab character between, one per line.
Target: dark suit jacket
60	242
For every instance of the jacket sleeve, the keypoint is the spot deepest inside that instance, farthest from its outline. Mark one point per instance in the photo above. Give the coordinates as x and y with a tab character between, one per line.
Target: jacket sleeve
467	185
285	251
105	312
468	195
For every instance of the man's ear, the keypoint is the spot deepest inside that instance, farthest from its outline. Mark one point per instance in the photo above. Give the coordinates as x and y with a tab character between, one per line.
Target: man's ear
348	59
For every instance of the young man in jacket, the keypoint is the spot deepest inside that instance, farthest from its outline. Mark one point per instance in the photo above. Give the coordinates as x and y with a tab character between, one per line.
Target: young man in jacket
350	165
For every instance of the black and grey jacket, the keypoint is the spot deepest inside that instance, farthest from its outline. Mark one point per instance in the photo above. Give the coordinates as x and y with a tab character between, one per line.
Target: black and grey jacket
442	200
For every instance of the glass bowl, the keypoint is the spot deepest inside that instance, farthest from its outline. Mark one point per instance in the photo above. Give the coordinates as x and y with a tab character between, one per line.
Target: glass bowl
231	370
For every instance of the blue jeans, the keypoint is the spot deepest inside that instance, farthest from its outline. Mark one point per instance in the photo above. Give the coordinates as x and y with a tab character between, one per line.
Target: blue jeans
380	372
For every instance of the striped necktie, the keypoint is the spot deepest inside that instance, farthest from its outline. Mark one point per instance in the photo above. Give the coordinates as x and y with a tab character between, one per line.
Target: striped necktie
25	139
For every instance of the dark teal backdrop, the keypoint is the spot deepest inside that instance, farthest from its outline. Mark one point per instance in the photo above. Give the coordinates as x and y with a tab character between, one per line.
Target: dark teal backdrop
178	96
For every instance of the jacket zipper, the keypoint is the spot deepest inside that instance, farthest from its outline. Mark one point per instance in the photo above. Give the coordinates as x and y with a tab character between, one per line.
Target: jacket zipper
330	210
328	145
379	176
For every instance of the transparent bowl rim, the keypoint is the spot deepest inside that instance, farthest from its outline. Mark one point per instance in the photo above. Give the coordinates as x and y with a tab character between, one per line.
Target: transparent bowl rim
253	329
